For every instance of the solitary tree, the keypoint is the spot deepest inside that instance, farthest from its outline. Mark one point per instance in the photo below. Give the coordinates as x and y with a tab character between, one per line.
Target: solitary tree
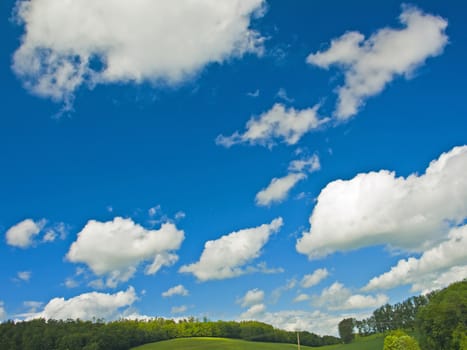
346	327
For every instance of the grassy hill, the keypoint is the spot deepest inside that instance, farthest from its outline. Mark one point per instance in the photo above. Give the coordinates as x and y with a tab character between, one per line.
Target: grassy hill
368	343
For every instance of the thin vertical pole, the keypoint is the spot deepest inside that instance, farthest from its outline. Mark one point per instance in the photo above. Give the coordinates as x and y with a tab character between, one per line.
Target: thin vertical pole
298	340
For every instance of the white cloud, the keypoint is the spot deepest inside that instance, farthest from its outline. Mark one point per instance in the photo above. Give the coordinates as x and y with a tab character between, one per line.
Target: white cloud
49	236
375	208
312	321
277	293
253	312
279	123
180	215
178	309
3	314
301	297
22	234
71	283
372	63
252	297
24	275
309	165
253	94
315	278
436	267
282	94
440	280
142	40
154	210
32	306
59	230
115	248
278	189
177	290
226	256
88	306
337	297
161	259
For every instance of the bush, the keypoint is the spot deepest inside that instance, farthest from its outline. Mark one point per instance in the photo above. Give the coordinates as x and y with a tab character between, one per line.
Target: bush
399	340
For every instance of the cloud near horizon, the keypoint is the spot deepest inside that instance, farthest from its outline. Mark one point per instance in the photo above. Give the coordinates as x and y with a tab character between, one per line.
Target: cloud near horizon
3	314
87	306
338	297
378	208
370	64
436	268
120	41
226	257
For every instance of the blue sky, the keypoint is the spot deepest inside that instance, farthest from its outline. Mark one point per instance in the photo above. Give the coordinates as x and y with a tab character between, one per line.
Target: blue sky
290	162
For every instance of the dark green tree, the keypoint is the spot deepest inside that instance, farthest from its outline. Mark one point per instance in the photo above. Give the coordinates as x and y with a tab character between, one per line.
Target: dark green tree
442	323
346	327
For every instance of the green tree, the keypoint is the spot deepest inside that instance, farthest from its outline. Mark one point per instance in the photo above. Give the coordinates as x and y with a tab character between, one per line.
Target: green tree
399	340
442	323
346	327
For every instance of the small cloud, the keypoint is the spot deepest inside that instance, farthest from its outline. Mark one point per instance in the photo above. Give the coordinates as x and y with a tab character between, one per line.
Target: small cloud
282	94
3	314
180	215
309	165
24	276
278	189
277	293
279	123
253	93
253	312
154	210
316	277
59	230
71	283
22	234
179	309
252	297
300	196
32	306
177	290
301	297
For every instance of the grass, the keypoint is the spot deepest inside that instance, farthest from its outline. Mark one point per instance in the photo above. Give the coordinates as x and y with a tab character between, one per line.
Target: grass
367	343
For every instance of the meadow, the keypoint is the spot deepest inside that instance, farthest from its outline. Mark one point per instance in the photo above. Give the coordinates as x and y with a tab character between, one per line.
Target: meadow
205	343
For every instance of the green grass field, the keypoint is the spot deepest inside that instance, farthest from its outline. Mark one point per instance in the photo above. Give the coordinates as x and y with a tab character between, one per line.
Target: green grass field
369	343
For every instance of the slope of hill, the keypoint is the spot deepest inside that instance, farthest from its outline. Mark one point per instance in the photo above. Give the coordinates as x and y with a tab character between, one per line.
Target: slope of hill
367	343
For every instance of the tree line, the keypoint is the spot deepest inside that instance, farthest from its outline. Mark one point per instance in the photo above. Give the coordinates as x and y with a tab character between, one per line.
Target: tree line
439	319
392	317
40	334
